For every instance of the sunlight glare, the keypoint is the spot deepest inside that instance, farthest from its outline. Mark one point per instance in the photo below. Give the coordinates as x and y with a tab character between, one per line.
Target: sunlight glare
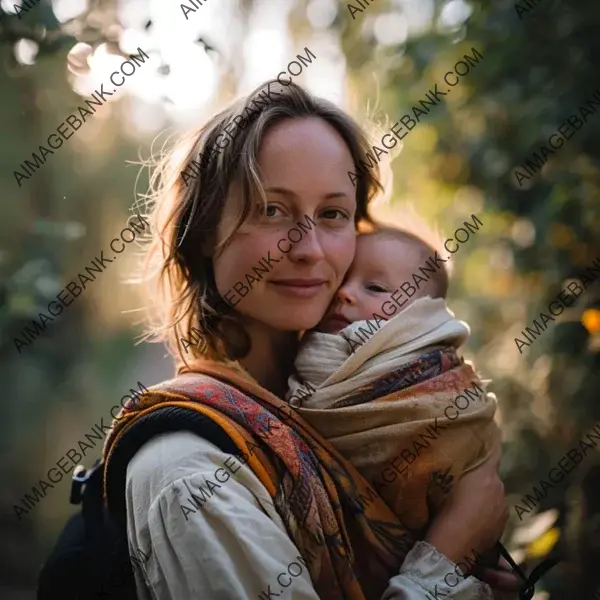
68	9
102	63
321	13
454	14
26	51
264	50
391	29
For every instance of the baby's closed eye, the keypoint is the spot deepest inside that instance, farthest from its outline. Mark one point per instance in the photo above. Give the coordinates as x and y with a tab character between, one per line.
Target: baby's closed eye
377	287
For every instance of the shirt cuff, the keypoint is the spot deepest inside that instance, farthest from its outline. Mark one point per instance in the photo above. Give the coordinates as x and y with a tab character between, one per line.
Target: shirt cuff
426	571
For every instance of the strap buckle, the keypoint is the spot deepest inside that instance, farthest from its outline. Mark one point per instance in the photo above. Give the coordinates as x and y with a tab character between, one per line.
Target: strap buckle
80	477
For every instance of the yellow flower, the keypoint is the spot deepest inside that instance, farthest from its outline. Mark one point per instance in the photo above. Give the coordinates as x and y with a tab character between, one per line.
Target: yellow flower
544	544
591	320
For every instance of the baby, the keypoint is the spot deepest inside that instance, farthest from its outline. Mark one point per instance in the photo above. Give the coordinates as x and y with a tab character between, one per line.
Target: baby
410	414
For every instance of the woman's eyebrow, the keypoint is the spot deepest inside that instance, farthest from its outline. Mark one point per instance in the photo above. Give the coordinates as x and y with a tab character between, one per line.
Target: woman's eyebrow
286	192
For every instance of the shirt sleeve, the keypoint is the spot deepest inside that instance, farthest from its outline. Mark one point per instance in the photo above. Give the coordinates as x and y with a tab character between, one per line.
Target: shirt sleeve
428	573
207	529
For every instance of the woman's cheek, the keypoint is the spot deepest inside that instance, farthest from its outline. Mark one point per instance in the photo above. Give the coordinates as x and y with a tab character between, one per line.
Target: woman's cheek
342	253
238	259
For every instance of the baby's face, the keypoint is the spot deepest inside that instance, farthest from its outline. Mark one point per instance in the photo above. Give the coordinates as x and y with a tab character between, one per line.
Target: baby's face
380	266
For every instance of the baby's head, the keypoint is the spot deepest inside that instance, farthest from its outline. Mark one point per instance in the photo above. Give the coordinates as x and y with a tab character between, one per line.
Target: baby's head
384	260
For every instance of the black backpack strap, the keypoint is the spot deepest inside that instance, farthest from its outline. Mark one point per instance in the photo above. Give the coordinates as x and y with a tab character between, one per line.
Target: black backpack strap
162	420
528	590
91	559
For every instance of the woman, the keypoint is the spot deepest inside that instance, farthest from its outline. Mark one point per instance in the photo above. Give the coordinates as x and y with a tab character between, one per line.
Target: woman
252	241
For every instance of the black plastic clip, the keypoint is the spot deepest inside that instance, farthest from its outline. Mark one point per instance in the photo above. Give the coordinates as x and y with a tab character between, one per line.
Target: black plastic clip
80	477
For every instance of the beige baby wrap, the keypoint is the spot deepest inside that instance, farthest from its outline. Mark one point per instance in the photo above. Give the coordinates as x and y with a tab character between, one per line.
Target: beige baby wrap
400	405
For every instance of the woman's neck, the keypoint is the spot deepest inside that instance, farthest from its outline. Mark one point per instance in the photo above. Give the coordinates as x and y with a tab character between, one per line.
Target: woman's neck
271	359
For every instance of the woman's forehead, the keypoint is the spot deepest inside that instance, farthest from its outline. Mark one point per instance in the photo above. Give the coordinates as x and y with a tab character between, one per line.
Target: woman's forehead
304	151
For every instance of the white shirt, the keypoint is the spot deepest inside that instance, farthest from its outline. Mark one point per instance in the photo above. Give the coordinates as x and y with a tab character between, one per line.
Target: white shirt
229	542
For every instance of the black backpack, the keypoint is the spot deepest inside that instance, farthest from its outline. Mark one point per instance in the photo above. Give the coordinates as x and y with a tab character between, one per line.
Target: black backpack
91	559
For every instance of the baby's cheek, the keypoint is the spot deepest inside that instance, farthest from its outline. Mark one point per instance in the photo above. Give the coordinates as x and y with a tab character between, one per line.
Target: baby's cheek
375	306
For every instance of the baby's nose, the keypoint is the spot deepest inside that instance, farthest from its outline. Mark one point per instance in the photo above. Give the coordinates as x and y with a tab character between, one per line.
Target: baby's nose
345	295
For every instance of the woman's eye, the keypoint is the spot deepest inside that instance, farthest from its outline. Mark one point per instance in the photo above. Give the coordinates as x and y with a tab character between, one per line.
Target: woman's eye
375	287
335	211
270	210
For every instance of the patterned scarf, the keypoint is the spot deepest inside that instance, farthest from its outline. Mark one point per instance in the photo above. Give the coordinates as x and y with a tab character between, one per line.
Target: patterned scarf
413	433
350	539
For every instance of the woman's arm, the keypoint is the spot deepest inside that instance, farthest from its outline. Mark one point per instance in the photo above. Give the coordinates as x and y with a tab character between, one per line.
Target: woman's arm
228	541
472	521
469	524
473	517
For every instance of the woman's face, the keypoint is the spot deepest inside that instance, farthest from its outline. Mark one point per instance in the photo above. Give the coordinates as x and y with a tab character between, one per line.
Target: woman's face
273	270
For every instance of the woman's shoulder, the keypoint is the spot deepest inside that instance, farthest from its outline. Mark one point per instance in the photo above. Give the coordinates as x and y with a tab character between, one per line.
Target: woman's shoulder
170	456
172	468
201	518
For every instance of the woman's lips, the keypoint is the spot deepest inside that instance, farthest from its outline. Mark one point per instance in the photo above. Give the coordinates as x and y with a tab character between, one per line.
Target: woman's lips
303	288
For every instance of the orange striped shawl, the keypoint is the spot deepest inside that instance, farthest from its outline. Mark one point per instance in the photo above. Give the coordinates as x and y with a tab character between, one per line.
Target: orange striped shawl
351	548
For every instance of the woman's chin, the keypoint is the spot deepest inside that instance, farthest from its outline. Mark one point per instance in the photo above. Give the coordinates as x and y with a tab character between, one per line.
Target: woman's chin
290	322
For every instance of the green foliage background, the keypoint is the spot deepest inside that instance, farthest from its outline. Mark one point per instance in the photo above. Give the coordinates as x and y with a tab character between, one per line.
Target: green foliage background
536	71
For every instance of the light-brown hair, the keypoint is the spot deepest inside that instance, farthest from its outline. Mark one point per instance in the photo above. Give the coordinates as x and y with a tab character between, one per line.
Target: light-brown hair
184	215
